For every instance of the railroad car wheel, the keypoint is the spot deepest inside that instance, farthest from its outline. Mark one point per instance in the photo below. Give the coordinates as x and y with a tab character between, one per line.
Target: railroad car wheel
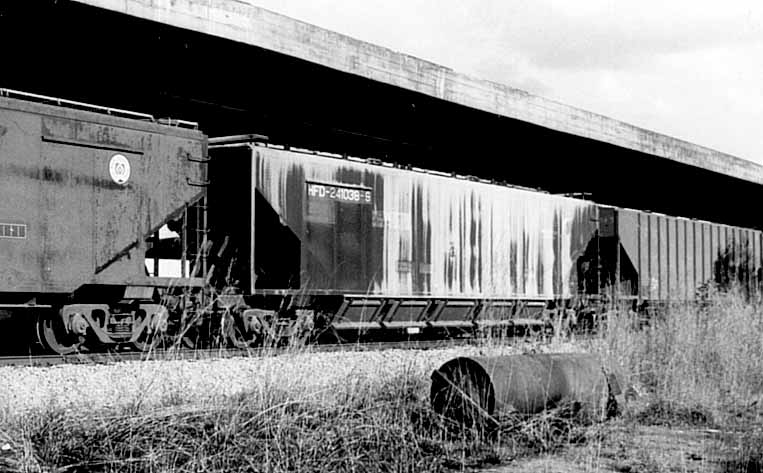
239	339
194	332
54	336
148	342
152	332
201	337
192	339
243	333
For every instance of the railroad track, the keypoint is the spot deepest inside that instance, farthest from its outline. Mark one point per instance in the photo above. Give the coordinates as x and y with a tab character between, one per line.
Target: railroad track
217	353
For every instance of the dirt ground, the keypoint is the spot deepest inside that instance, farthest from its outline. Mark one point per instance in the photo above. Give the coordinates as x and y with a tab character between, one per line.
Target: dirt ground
631	448
641	444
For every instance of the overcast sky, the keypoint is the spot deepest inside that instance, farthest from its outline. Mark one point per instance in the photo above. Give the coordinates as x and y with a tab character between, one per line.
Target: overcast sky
692	69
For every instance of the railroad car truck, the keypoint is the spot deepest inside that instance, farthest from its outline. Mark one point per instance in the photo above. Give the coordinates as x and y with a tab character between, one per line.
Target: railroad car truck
83	191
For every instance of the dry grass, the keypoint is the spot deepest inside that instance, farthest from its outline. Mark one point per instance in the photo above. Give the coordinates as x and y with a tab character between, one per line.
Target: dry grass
708	354
271	431
697	371
698	367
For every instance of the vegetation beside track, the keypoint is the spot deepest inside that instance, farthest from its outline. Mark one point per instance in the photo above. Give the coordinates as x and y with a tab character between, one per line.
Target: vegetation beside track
692	375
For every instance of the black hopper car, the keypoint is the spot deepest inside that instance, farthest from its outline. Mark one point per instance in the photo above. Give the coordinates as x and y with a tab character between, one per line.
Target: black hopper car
119	229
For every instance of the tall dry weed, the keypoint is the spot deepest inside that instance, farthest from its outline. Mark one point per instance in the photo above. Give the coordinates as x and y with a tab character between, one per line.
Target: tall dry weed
706	353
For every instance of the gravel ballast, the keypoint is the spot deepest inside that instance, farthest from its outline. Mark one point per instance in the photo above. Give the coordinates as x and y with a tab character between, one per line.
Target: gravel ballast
319	377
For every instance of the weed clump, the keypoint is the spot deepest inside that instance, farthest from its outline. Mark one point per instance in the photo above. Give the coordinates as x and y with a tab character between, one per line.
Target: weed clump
371	431
698	365
705	355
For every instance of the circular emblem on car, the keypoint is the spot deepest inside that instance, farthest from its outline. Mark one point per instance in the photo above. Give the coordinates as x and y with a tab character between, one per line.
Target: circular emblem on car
119	169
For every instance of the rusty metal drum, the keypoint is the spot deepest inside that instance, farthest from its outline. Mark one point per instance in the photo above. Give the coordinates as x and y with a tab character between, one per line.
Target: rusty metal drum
471	390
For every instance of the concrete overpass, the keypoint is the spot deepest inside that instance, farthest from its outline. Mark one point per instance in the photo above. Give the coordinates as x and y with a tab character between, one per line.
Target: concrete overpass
237	68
